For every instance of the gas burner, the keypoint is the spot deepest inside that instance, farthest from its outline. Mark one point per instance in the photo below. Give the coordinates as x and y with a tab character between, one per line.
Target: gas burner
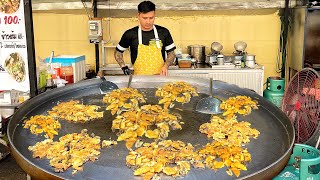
239	53
214	53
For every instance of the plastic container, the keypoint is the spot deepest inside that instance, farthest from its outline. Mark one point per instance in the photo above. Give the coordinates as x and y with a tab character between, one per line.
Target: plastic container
67	72
78	65
220	59
57	68
184	63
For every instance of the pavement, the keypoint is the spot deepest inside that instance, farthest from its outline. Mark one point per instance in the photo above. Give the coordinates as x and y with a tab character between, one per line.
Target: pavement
9	169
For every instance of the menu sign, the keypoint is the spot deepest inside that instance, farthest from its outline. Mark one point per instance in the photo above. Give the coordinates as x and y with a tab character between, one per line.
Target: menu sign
13	46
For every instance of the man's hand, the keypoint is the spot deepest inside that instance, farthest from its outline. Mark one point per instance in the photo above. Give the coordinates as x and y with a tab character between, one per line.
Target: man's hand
164	70
126	70
100	73
170	58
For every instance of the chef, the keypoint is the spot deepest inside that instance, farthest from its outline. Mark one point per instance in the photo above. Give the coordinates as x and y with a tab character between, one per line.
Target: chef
151	46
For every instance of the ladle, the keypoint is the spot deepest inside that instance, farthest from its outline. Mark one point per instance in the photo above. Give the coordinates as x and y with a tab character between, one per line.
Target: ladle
106	86
209	105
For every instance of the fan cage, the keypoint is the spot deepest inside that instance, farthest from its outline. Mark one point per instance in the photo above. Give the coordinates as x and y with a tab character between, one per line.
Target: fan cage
301	103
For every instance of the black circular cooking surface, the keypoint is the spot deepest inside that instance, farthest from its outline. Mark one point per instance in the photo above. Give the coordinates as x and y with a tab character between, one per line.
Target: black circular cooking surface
270	151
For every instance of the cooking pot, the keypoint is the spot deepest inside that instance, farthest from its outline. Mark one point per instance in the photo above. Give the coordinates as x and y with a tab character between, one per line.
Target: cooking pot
250	61
250	57
220	59
198	52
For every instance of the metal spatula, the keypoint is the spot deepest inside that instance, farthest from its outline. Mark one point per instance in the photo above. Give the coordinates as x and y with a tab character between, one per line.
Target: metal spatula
209	105
106	86
130	79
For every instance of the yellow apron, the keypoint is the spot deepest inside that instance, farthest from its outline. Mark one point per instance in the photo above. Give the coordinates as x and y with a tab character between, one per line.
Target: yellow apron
149	59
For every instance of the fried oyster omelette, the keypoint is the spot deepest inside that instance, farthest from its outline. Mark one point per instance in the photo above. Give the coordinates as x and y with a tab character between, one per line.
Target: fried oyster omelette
240	104
176	91
134	124
72	150
123	99
43	124
75	112
230	130
229	136
173	158
217	155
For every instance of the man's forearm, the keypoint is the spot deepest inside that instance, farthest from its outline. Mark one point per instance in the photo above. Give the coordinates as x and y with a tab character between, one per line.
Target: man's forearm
170	58
119	58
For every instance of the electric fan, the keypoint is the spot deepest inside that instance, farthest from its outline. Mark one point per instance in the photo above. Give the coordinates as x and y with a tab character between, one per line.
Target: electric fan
301	103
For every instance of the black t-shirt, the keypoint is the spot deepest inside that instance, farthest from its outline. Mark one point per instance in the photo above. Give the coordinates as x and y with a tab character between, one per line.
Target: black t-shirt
130	39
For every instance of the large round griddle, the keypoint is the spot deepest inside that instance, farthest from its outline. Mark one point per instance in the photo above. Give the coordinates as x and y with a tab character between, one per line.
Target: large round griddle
270	152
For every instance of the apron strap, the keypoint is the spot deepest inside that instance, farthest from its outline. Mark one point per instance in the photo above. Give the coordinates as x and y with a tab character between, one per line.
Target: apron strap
140	35
155	35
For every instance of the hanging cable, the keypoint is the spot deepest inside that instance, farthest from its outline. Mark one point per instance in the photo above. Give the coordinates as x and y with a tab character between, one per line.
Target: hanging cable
285	37
282	50
86	9
279	57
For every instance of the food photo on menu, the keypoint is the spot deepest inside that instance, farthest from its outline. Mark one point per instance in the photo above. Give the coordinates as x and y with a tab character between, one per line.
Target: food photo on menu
9	6
15	66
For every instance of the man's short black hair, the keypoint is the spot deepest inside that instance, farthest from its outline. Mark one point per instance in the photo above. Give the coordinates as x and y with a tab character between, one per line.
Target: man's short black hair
146	6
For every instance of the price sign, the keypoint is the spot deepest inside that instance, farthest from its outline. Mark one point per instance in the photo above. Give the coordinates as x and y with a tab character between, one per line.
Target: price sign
11	20
13	47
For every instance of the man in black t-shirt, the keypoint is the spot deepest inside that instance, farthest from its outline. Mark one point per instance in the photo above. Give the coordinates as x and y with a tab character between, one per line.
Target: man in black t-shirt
149	44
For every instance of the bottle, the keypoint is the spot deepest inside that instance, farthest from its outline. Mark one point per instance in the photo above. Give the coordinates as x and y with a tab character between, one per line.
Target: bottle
42	75
243	63
153	42
49	80
57	68
67	72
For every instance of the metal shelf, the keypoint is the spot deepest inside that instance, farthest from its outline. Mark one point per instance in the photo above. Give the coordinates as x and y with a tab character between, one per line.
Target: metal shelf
104	54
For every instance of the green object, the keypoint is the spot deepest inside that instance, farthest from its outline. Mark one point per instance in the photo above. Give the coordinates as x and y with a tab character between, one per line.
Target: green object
243	63
275	90
153	42
42	79
304	163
